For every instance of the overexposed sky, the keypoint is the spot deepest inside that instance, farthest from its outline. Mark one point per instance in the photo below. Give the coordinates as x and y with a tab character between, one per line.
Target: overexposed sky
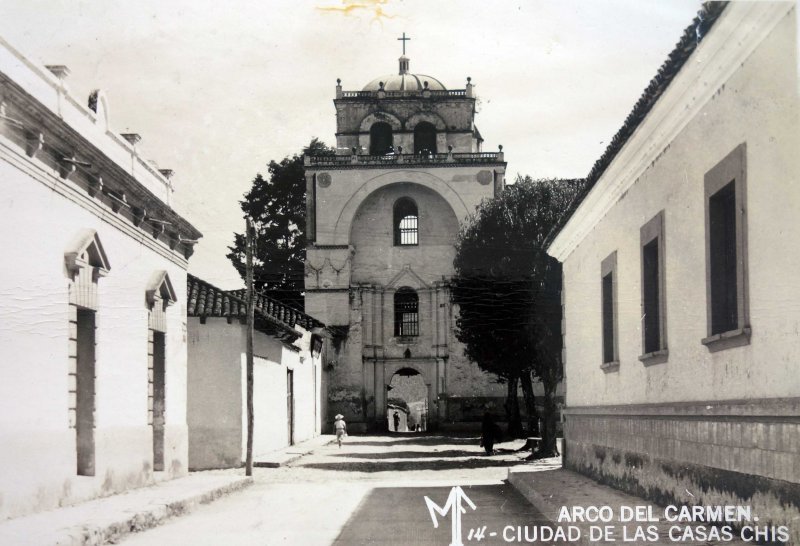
218	89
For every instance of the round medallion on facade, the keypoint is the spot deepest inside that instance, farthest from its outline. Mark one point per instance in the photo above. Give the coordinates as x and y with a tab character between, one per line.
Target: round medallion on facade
484	177
324	180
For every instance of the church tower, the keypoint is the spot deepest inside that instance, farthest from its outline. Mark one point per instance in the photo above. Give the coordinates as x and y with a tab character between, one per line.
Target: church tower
382	219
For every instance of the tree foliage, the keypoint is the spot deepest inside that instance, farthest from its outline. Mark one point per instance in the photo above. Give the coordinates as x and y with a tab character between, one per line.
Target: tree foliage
277	206
508	289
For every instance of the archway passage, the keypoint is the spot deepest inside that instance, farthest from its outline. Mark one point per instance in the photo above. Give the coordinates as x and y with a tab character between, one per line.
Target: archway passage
407	402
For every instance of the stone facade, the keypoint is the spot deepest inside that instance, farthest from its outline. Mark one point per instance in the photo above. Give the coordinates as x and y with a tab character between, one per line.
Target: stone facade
691	394
93	389
356	265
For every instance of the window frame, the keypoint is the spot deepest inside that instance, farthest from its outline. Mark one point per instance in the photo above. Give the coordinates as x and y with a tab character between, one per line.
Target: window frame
405	204
609	267
399	315
730	170
653	230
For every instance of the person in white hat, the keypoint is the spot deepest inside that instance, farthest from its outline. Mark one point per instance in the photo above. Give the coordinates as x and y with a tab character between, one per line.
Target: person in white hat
340	427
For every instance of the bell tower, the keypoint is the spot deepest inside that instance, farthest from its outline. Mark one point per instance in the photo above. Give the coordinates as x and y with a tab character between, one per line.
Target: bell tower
382	219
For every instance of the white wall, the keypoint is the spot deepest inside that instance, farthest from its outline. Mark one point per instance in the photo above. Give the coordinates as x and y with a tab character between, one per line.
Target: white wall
758	105
41	214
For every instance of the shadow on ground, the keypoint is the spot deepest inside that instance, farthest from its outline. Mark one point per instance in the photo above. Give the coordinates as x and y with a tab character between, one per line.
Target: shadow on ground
426	440
411	464
408	454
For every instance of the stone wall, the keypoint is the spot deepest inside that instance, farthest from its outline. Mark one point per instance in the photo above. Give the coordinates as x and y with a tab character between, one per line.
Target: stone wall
738	453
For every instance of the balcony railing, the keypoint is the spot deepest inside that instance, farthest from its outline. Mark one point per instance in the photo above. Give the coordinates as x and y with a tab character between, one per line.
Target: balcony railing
425	93
404	159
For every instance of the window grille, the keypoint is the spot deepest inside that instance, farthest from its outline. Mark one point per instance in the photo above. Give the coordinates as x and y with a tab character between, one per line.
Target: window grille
406	313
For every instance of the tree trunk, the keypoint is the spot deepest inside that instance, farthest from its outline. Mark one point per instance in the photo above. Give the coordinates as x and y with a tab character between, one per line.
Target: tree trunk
549	447
512	409
530	404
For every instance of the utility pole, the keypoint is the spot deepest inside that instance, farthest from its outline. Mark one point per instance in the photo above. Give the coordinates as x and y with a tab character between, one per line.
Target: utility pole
250	243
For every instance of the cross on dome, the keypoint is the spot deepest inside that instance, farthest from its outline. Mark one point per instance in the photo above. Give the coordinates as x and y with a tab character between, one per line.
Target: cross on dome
404	40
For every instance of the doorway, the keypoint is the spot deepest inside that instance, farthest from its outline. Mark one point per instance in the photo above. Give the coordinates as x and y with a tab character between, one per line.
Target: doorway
290	405
159	399
407	402
85	392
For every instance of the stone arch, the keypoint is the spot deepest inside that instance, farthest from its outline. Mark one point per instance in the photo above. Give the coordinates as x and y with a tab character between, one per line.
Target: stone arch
426	372
377	117
344	223
432	118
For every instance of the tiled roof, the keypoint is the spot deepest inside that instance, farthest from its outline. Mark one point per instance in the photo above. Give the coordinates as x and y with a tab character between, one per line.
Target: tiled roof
692	36
272	317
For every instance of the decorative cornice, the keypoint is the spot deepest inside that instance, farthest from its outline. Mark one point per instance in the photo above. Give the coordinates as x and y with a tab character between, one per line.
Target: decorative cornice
52	128
87	200
43	139
740	28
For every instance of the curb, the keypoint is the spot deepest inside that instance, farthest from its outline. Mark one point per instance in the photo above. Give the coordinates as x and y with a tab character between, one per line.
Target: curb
95	535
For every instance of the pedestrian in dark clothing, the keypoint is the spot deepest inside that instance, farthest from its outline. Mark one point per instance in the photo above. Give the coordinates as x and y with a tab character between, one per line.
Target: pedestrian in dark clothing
490	433
396	419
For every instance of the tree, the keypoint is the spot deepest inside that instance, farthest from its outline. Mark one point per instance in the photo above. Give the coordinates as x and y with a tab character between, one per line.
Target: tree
277	206
508	291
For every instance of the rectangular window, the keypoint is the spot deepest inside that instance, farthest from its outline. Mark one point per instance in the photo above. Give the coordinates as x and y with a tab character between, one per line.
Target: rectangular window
722	259
654	331
608	275
726	253
408	230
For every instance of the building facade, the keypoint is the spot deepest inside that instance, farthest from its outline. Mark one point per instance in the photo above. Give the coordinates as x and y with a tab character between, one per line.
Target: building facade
383	215
93	388
287	377
682	309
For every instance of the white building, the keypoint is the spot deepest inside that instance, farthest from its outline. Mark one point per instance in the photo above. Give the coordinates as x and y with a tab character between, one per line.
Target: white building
93	380
287	376
682	306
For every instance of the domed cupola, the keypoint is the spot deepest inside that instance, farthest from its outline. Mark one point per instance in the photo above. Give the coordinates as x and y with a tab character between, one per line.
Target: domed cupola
405	80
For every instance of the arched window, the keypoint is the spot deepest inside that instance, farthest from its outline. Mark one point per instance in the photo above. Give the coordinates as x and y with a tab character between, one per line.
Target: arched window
405	222
406	312
424	138
380	138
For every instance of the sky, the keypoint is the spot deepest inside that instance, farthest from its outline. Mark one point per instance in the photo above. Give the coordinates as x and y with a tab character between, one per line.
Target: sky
218	89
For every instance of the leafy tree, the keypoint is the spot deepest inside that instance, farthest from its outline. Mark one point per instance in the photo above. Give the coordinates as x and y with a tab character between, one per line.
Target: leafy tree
508	291
277	206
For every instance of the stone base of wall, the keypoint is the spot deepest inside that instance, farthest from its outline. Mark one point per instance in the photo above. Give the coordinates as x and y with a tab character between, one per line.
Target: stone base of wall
731	453
40	466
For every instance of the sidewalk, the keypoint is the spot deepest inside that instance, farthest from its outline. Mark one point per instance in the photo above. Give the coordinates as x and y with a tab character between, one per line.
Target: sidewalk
286	455
107	519
549	490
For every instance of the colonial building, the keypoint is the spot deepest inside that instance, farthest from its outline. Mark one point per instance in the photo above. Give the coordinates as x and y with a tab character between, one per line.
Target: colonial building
287	376
682	306
93	380
383	215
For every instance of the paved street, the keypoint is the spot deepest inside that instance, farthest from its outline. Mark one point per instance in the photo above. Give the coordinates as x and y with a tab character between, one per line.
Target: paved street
371	491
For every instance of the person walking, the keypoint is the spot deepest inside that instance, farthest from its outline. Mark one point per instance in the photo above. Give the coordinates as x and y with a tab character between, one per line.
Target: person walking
396	419
340	427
